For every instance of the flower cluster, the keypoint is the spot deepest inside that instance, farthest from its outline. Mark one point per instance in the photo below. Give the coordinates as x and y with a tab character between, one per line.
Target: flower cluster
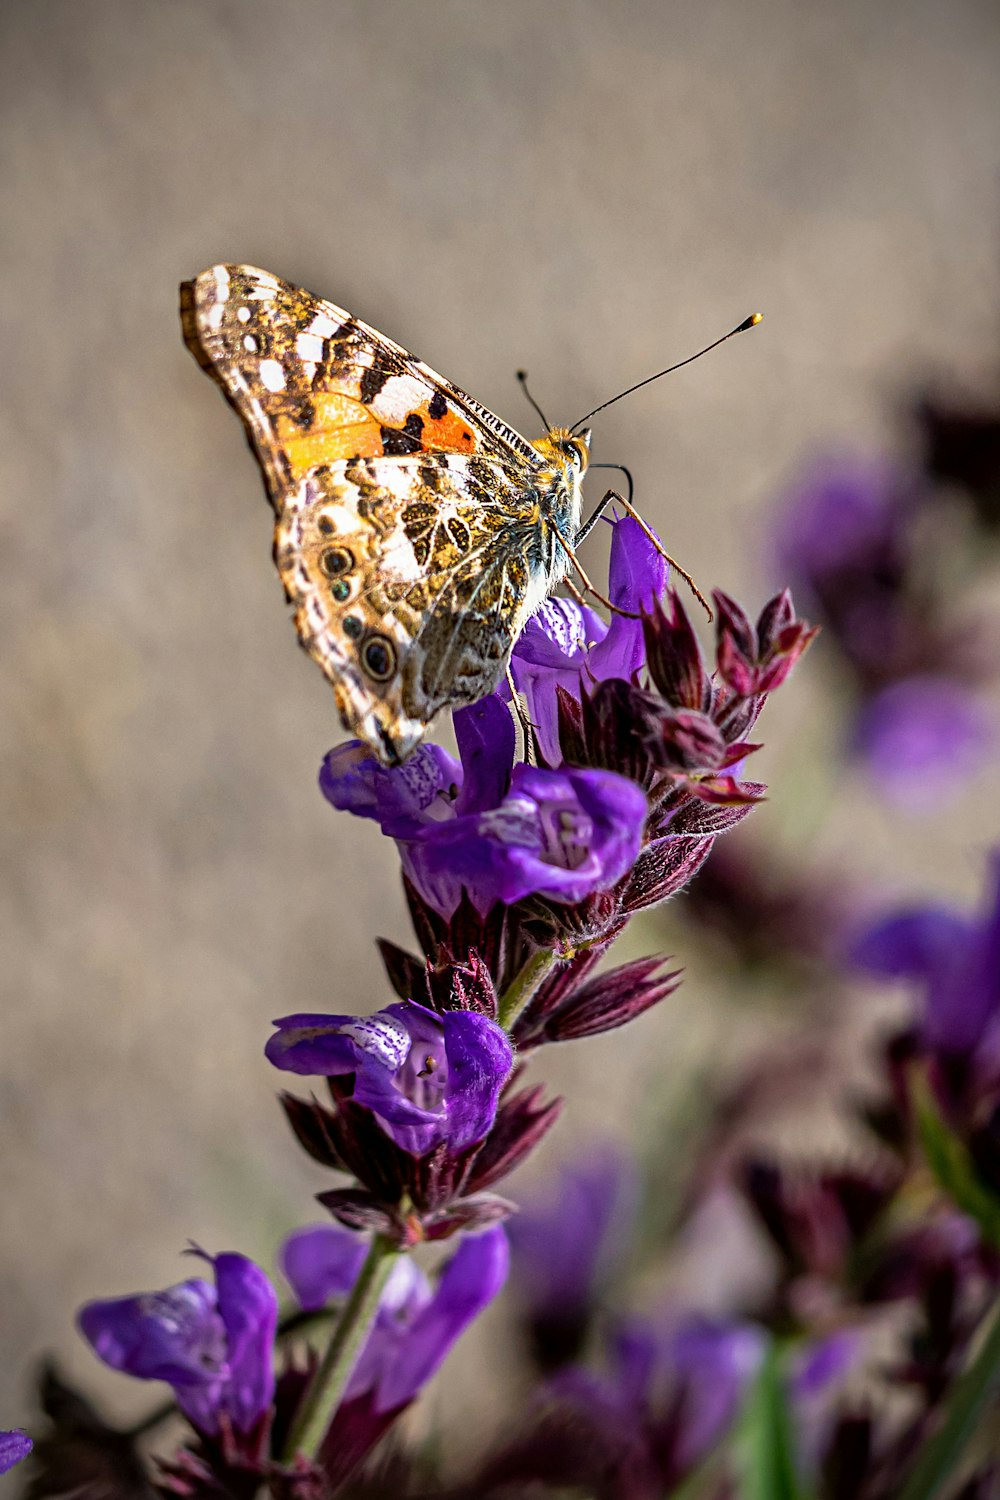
519	876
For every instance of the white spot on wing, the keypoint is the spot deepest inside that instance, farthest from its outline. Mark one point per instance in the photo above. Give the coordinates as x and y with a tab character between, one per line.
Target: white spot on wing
309	347
250	344
215	315
398	397
221	283
272	375
243	313
323	327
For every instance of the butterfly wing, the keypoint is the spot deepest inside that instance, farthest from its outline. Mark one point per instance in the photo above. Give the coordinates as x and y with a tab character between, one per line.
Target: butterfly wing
411	576
314	385
407	536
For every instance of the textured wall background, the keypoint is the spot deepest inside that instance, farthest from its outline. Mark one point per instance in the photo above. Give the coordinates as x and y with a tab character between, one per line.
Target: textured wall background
588	189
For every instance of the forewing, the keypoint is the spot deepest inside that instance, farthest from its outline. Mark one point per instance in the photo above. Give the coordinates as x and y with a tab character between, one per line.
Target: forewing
411	576
315	386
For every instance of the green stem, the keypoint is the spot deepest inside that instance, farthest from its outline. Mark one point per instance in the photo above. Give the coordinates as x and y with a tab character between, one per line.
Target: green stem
979	1382
524	987
330	1381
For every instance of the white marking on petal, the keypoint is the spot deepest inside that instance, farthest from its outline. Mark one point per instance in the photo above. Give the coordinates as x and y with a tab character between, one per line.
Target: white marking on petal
383	1037
272	375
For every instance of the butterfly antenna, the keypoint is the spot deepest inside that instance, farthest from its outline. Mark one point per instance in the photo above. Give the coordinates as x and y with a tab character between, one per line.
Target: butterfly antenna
522	380
750	322
588	586
696	591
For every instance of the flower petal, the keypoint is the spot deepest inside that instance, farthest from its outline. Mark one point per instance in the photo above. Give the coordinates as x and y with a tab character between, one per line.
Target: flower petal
176	1335
248	1306
479	1062
486	743
320	1262
468	1283
13	1447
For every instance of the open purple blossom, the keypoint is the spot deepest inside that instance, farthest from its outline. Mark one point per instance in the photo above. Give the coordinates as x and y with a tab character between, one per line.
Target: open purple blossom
213	1344
417	1323
14	1446
429	1079
567	645
496	830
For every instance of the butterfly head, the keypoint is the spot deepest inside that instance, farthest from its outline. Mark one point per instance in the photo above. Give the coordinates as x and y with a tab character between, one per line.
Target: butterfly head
566	448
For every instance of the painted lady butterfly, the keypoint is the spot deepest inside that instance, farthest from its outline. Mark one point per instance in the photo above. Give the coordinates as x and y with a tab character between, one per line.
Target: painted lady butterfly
416	532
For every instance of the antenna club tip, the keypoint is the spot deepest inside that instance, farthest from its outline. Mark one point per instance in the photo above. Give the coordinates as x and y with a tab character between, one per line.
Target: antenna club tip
522	374
750	322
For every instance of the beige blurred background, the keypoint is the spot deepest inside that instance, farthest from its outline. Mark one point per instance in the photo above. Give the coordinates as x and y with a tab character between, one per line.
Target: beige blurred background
587	189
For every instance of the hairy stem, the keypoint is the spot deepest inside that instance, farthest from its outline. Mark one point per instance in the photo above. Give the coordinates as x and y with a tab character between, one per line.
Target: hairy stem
352	1328
524	987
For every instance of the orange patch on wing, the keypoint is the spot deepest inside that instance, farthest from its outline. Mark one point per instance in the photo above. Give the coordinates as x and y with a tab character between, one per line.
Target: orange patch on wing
447	434
341	428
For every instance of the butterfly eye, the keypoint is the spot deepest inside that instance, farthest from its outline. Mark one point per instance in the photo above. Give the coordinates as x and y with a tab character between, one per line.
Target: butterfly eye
335	561
378	658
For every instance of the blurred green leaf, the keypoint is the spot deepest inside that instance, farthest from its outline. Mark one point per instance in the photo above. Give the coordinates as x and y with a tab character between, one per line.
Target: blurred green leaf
766	1447
977	1387
949	1160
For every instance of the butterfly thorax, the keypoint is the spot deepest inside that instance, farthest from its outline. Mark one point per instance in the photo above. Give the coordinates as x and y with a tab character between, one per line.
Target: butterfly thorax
559	487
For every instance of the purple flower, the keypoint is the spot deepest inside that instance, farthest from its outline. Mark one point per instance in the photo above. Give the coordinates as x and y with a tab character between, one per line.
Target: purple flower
922	736
562	834
675	1390
705	1366
427	1078
498	831
213	1344
956	961
416	1325
565	1242
848	537
13	1447
567	645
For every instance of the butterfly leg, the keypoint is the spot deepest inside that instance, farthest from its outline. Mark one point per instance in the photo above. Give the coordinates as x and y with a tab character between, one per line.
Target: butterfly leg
589	587
629	508
528	730
592	521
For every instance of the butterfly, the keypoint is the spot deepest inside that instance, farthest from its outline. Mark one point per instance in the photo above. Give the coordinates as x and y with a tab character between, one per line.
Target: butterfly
415	531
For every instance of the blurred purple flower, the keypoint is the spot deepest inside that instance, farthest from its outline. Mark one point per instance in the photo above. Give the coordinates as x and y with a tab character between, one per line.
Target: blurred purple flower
427	1078
13	1447
498	831
565	1241
922	736
567	645
213	1344
706	1366
679	1388
416	1325
847	536
955	960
